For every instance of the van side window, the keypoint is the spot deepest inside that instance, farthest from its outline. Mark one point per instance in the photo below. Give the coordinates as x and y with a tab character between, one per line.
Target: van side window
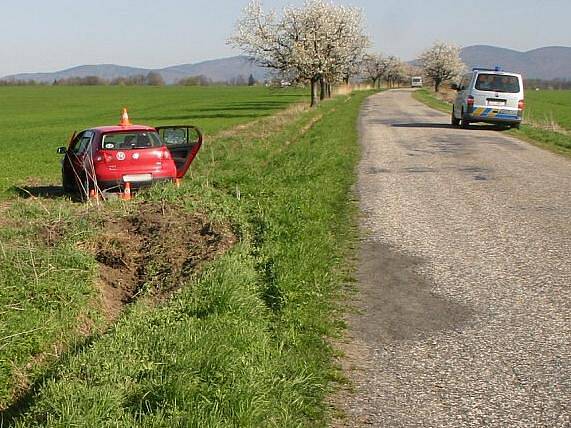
465	82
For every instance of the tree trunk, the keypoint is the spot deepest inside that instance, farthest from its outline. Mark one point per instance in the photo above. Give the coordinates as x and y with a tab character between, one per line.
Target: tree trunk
314	100
323	90
437	85
329	90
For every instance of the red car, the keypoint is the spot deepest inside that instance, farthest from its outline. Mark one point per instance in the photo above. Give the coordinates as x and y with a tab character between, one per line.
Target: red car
108	157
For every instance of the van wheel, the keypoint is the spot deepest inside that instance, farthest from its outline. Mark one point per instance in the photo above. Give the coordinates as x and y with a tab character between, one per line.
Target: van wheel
465	123
455	122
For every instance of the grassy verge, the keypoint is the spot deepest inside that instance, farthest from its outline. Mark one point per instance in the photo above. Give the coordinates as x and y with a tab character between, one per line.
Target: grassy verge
45	292
557	142
429	98
49	292
244	342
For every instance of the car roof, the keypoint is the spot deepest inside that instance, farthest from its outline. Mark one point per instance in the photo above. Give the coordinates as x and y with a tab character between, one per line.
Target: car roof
119	128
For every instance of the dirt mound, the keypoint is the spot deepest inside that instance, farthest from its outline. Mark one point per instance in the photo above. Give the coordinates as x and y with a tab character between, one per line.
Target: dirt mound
153	251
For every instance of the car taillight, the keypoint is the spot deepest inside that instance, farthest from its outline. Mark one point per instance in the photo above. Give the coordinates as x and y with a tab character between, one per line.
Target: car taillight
103	157
470	100
521	104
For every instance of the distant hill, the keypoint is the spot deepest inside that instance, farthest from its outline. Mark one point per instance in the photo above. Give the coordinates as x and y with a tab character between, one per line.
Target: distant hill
218	70
548	63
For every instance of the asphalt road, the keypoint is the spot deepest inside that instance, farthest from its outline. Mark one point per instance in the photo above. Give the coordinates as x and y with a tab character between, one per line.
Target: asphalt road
464	277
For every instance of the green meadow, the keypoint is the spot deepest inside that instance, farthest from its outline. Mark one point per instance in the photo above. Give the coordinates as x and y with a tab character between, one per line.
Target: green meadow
243	337
34	121
549	107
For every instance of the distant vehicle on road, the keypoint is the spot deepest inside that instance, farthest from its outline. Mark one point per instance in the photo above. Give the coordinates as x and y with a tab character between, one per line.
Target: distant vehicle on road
489	95
109	157
416	82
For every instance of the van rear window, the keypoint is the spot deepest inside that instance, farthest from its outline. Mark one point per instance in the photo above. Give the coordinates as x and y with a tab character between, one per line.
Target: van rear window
130	140
497	83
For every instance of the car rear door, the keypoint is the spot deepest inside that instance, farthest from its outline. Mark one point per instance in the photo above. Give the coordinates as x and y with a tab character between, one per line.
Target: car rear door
183	142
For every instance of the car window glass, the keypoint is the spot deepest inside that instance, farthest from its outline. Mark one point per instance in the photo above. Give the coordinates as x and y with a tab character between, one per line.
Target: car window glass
497	83
82	142
130	140
174	136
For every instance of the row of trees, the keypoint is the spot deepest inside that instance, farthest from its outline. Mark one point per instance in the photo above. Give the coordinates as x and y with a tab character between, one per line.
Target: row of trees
557	84
392	70
151	79
319	43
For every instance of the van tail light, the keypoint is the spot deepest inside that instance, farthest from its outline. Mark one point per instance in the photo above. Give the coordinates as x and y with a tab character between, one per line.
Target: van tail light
521	104
470	104
103	157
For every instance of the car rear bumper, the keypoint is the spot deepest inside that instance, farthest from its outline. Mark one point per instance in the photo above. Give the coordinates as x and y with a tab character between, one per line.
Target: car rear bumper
119	184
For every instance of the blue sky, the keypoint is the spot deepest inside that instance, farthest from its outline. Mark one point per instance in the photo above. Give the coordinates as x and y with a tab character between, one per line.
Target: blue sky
39	35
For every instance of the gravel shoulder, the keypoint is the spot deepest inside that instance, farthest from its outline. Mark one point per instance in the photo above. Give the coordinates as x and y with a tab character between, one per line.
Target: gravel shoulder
464	314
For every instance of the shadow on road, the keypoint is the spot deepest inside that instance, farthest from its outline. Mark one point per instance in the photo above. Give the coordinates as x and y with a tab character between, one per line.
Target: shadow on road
480	127
422	125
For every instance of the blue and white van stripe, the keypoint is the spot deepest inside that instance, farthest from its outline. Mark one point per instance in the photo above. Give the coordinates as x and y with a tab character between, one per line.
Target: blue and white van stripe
488	112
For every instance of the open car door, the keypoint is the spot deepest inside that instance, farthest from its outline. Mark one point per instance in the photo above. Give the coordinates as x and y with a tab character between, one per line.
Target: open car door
183	142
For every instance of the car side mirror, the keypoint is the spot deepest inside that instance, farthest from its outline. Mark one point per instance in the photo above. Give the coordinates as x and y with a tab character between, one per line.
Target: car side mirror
455	86
61	150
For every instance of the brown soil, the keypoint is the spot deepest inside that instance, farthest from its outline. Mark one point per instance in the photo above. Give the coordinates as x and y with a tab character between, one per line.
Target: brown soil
152	252
148	253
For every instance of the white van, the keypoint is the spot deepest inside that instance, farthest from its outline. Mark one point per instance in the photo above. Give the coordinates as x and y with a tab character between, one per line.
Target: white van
416	82
489	95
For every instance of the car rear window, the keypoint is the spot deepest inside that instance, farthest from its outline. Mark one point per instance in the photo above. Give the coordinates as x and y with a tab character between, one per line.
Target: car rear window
130	140
497	83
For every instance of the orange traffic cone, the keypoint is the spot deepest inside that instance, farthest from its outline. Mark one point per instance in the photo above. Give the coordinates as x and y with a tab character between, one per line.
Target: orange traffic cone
93	195
127	192
125	118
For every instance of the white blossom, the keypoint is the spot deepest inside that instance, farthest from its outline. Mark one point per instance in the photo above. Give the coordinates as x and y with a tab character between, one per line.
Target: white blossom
377	67
319	41
441	63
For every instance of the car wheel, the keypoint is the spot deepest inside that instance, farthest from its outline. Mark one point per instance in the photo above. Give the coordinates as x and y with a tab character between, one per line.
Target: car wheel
515	126
83	184
455	122
68	183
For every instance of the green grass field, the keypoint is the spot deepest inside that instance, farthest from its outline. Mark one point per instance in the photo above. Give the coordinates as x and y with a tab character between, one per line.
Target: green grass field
244	341
547	106
34	121
547	121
